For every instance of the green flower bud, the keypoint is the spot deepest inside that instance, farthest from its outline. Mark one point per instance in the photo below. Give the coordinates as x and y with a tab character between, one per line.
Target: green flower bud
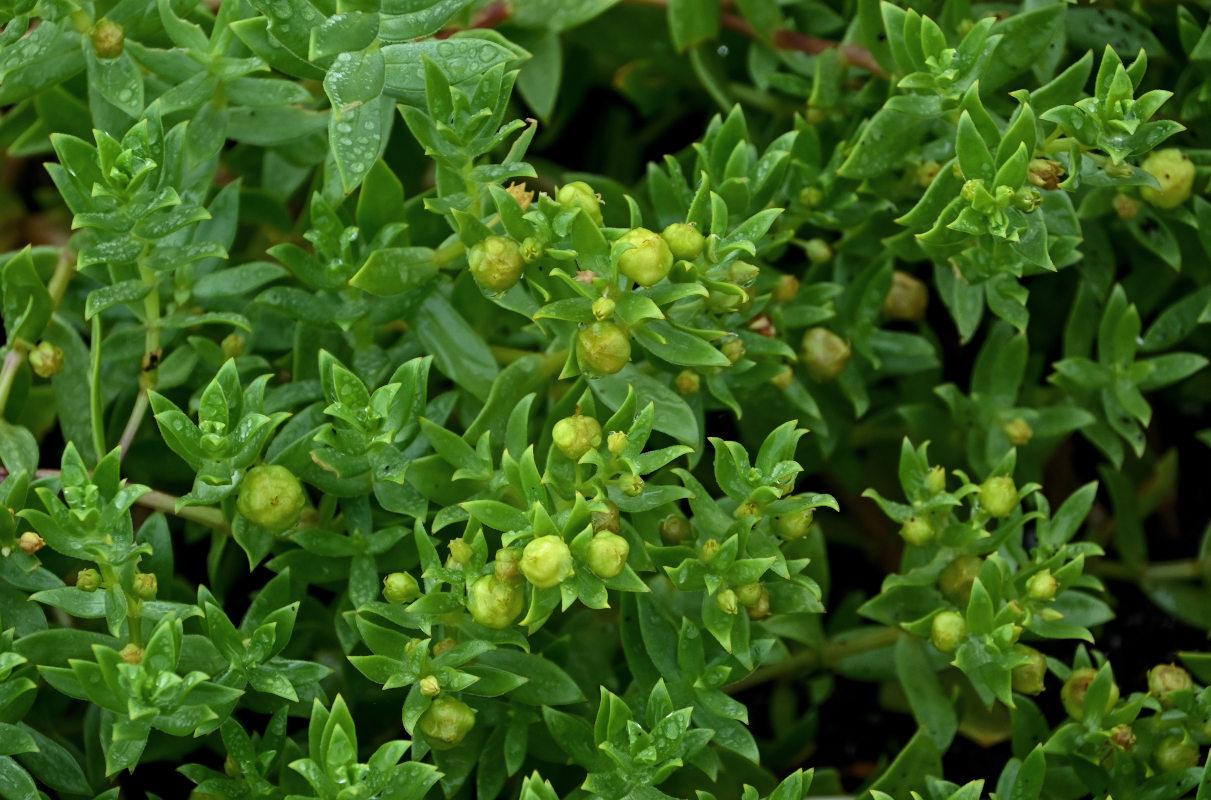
956	580
1163	679
631	485
1122	737
917	531
460	552
999	496
1126	207
506	565
688	382
1028	199
1174	172
602	348
1174	753
649	259
1005	196
576	435
749	594
1077	686
818	251
46	360
30	543
947	630
603	308
710	549
108	39
495	603
608	520
742	273
1028	678
546	561
430	686
88	580
783	378
145	585
760	609
608	554
795	524
579	194
825	354
675	529
935	481
446	722
270	496
1042	586
1018	431
747	509
727	601
232	345
787	288
618	443
400	588
532	249
684	240
733	348
1044	173
907	299
969	190
438	649
496	263
811	196
132	654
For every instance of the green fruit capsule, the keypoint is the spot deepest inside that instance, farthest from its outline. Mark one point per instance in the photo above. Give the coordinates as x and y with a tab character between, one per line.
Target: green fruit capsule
675	529
684	240
576	435
649	258
917	531
947	630
956	580
1028	678
579	194
749	594
617	443
608	554
687	382
602	348
400	588
1042	586
794	525
728	602
1174	172
999	496
907	299
109	39
270	496
1164	679
447	722
935	481
1174	753
496	263
547	561
495	603
46	360
824	353
145	585
88	580
1018	432
1077	686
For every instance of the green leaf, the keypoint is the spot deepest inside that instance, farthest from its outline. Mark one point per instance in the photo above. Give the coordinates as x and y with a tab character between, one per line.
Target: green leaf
693	21
27	304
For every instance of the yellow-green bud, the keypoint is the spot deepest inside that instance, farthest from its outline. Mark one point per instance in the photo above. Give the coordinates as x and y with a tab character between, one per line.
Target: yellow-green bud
88	580
631	485
608	520
608	554
1174	753
935	481
496	263
688	382
818	251
1163	679
675	529
710	549
811	196
727	601
684	240
495	603
917	531
649	258
999	496
783	378
108	39
46	360
1122	737
733	348
824	353
532	249
505	567
747	509
270	496
1027	199
430	686
547	561
131	654
1018	431
232	345
576	435
460	552
400	588
743	273
617	443
760	609
907	299
1028	678
1126	207
956	580
787	288
603	308
30	543
602	348
579	194
145	585
1045	173
1042	586
749	594
794	525
947	630
1174	172
446	722
926	171
438	649
1077	686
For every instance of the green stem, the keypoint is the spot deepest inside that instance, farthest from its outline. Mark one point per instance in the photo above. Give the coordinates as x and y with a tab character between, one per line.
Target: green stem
1184	569
94	389
826	656
8	373
151	352
167	503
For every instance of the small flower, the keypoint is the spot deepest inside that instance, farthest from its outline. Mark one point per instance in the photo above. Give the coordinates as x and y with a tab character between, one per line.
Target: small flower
30	542
579	194
824	353
710	549
1122	737
608	554
108	39
1174	172
46	360
649	258
1045	173
727	601
547	561
400	588
496	263
1126	206
576	435
783	378
446	722
495	603
1077	686
684	240
617	443
602	348
88	580
999	496
935	481
460	552
750	593
743	273
270	496
1018	432
145	585
947	630
131	654
733	348
907	299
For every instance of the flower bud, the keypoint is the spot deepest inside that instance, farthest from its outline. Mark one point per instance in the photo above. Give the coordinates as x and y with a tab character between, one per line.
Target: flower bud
907	298
631	485
925	173
603	308
576	435
688	382
232	345
438	649
145	585
675	529
818	251
1164	679
608	554
46	359
825	354
684	240
733	348
749	594
1027	199
1174	172
618	443
1042	586
1126	206
760	609
1174	753
532	249
727	601
811	196
579	194
795	524
1077	686
30	542
710	549
917	531
430	686
1028	678
108	39
743	273
400	588
999	496
783	378
935	481
956	580
1045	173
495	603
1122	737
969	190
608	520
446	722
460	552
496	263
1018	431
270	496
546	561
602	348
132	654
506	565
88	580
648	260
948	630
787	288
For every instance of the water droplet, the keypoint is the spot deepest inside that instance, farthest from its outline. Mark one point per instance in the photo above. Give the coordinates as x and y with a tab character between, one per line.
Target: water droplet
723	51
487	54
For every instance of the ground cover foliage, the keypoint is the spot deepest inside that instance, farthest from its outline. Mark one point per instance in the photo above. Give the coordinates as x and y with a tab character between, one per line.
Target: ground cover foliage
591	399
